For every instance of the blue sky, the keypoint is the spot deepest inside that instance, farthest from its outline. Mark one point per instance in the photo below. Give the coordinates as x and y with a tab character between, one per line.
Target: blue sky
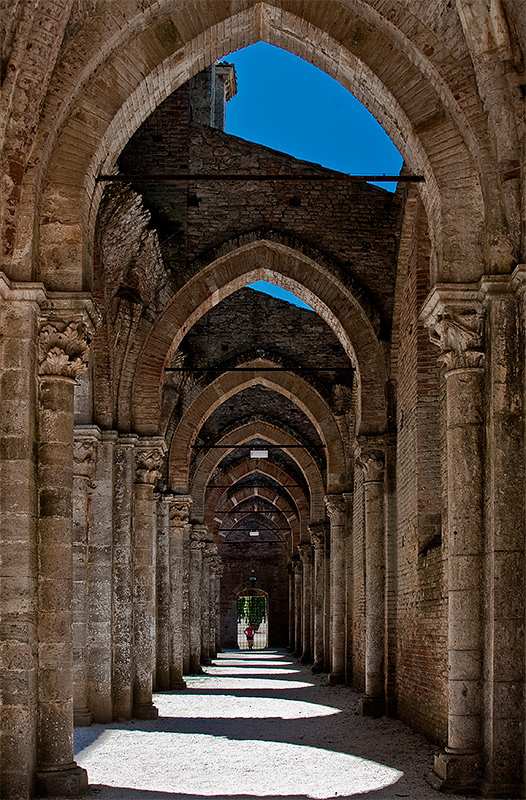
288	104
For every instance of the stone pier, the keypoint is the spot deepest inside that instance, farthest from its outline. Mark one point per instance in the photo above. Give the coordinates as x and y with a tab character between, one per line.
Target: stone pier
371	460
318	534
149	455
336	509
86	442
305	551
179	513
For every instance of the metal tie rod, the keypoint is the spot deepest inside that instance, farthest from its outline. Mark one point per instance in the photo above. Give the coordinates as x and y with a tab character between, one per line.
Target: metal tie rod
223	177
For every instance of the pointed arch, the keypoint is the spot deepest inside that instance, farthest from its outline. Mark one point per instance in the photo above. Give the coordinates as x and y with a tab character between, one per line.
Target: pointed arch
245	433
143	54
280	264
229	384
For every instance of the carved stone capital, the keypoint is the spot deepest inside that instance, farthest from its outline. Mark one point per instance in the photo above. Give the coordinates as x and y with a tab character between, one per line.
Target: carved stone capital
336	506
209	553
149	456
85	450
318	535
179	510
198	537
454	317
372	462
63	347
216	567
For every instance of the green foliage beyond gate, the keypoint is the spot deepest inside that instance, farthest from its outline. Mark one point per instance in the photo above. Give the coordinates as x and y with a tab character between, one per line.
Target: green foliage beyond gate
253	609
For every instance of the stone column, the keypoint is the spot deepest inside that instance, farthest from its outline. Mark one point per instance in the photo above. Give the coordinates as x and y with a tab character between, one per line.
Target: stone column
179	512
162	575
85	446
187	533
207	555
219	572
318	535
214	603
19	309
100	585
64	342
292	616
327	614
305	551
122	617
297	571
336	509
149	455
371	460
197	543
455	320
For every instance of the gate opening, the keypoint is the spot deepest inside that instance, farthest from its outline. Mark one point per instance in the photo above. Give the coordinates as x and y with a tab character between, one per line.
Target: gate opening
252	618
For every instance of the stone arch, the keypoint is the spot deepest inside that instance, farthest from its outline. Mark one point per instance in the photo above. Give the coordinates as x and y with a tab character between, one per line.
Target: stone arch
288	384
281	505
273	435
297	497
279	264
143	55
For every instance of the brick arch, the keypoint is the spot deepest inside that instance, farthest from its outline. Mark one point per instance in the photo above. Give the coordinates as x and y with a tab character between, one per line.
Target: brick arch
279	264
281	507
214	495
236	438
143	53
284	506
228	384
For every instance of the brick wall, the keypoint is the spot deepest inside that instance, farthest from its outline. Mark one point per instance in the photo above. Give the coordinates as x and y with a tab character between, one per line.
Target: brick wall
421	612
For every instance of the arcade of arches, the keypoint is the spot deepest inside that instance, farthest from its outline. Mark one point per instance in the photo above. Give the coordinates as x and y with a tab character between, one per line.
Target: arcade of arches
170	438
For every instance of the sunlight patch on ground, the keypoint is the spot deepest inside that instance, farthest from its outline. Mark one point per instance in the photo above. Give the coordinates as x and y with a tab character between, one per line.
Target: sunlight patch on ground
231	707
252	684
188	763
250	669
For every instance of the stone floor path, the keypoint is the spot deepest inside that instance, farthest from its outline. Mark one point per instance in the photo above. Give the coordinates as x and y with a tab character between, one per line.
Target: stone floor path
256	725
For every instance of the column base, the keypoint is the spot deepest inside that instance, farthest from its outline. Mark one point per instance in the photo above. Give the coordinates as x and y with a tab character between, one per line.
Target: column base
456	772
305	659
145	711
372	706
317	667
82	717
180	684
69	782
195	670
336	678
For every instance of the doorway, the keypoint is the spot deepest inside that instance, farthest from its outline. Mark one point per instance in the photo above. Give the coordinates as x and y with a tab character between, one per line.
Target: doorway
252	611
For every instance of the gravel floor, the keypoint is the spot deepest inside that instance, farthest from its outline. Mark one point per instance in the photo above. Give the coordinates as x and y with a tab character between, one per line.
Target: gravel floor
256	725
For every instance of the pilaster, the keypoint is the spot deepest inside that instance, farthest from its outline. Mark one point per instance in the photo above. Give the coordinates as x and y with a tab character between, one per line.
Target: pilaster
179	514
99	583
122	617
163	594
149	454
85	450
